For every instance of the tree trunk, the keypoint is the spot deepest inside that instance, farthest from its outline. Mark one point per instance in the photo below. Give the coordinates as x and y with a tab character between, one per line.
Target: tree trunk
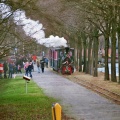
84	57
89	55
118	30
92	60
113	54
77	64
80	55
106	77
95	56
113	44
119	56
76	50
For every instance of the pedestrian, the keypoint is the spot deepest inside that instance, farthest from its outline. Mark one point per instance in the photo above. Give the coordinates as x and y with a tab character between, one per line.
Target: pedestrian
29	69
32	66
11	66
46	61
42	65
14	68
34	57
25	67
5	68
38	65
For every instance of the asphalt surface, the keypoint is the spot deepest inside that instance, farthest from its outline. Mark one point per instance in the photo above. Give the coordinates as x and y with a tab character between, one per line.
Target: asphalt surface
75	100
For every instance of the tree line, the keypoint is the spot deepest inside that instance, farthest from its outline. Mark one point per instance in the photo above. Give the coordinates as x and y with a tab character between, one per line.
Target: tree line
97	18
13	38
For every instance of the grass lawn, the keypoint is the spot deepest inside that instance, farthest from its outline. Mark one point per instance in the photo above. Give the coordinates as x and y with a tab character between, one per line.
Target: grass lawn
15	104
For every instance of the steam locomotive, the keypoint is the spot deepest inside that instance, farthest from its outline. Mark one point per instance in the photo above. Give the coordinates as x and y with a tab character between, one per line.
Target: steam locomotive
62	60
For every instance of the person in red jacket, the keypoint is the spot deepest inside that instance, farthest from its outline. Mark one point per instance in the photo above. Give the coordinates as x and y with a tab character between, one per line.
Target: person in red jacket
34	57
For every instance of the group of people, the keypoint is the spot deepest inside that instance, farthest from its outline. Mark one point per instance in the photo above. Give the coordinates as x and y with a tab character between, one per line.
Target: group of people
11	68
41	64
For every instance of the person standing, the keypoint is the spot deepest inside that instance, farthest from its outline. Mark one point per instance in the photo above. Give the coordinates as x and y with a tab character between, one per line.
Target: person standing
42	65
38	66
32	66
29	69
25	67
34	57
46	61
5	68
10	70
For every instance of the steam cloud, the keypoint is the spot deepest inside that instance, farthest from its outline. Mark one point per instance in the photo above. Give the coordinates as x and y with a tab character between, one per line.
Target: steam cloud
32	28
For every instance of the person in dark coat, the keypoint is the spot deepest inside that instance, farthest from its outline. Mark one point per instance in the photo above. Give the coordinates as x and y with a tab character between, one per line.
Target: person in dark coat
11	66
42	65
29	69
5	68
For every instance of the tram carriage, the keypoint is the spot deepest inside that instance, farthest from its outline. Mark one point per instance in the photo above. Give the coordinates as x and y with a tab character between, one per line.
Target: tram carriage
62	60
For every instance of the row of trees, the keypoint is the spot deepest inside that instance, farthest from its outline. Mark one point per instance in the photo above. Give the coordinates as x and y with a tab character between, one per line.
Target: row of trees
99	18
12	36
88	22
96	18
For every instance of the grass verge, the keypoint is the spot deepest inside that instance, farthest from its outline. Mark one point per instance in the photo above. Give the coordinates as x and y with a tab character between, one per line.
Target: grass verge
15	104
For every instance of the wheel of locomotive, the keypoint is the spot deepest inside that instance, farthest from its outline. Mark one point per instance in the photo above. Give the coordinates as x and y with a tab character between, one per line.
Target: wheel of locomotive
63	69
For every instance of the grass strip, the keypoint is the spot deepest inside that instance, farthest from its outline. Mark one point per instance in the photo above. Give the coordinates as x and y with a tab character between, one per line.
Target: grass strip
15	104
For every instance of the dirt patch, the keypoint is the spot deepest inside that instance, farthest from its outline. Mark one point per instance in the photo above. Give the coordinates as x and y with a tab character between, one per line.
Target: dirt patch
99	81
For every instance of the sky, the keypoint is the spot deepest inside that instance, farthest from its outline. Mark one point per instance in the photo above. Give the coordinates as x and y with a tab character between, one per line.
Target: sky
32	28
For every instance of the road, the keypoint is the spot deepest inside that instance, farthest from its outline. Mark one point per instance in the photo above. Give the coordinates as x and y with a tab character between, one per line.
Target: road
76	101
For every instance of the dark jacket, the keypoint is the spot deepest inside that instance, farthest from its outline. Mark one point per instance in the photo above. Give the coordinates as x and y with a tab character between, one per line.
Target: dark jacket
5	66
30	67
42	64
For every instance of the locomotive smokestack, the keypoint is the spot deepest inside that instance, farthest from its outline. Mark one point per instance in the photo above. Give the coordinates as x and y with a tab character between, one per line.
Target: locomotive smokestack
67	50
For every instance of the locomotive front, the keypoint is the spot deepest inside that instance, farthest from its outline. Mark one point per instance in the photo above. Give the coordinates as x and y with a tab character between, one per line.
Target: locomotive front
68	61
62	60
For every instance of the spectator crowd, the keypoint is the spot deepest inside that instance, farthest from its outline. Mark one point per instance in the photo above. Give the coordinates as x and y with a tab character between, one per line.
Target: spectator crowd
22	65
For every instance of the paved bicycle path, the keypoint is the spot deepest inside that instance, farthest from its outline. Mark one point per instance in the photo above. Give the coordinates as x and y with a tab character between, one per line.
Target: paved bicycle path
76	101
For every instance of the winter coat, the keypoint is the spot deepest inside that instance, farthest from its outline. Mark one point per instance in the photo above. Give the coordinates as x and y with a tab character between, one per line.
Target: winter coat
42	64
5	66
